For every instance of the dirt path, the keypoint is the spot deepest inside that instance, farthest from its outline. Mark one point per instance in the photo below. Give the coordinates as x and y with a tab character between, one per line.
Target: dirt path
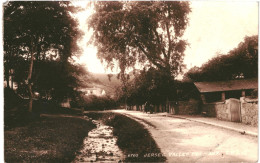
181	140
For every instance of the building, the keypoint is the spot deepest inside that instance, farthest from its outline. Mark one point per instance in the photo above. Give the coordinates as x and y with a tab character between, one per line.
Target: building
230	100
221	90
94	91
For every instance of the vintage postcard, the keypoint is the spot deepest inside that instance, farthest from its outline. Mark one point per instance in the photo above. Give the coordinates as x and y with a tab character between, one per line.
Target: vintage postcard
130	81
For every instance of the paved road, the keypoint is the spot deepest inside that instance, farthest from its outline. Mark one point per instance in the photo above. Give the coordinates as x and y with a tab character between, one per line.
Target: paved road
181	140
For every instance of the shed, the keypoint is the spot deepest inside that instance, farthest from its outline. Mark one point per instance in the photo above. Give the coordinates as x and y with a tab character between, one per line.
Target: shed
220	90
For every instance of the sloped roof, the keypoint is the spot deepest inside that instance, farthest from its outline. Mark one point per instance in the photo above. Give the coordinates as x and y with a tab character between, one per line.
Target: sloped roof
229	85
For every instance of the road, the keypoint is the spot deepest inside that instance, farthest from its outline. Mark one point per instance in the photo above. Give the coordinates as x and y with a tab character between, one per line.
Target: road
182	140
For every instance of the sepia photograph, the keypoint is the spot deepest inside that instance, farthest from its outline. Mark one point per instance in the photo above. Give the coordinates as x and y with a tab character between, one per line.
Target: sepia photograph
130	81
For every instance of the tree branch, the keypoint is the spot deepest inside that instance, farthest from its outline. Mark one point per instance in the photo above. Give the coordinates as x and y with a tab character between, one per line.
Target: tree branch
169	40
159	43
147	55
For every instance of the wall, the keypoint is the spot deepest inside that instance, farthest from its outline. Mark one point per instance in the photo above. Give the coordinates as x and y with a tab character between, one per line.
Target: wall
209	109
183	107
187	107
221	110
249	111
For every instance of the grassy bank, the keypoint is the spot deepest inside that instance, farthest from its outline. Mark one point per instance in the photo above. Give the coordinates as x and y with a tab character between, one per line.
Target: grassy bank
135	141
18	116
49	139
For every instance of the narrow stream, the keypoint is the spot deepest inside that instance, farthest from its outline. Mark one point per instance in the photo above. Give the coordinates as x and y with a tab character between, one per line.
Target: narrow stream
100	145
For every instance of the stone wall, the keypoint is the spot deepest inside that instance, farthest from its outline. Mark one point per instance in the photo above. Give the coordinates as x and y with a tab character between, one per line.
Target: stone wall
209	109
183	107
187	107
221	110
249	112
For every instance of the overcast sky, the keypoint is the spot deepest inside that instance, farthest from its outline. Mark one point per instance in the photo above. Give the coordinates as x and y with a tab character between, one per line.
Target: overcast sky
213	27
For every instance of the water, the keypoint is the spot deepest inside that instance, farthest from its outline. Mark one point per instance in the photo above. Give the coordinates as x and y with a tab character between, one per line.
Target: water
100	145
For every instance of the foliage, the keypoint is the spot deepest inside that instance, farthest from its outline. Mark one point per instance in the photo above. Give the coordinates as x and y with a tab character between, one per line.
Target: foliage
241	62
144	33
11	99
147	34
39	40
151	85
43	25
156	87
93	102
59	80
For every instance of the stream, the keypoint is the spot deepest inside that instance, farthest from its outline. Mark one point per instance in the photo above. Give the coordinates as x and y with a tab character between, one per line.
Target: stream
100	145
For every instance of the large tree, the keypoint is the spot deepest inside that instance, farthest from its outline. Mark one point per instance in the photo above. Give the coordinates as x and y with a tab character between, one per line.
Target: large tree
144	34
38	31
141	33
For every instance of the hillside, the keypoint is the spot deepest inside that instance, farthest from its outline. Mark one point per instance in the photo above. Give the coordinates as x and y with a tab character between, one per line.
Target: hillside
104	80
101	80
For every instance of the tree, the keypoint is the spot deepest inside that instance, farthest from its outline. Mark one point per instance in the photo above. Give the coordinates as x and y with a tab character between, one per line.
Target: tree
39	30
146	33
58	80
241	62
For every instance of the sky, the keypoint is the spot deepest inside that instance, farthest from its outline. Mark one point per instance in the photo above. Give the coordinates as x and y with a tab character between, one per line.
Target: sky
214	27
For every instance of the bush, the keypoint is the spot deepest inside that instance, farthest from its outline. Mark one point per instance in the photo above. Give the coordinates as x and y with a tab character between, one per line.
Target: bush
99	103
11	99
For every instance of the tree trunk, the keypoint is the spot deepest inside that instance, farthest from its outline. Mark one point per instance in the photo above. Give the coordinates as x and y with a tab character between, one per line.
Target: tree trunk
7	78
29	78
18	86
125	103
12	81
30	84
7	81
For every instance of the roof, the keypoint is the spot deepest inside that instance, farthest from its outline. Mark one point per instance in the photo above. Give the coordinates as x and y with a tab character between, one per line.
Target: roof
218	86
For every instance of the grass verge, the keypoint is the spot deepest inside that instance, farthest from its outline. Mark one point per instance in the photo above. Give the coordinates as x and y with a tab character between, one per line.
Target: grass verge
50	139
135	141
19	116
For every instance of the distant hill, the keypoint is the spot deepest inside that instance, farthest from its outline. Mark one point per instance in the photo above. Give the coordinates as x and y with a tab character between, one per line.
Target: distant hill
101	80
